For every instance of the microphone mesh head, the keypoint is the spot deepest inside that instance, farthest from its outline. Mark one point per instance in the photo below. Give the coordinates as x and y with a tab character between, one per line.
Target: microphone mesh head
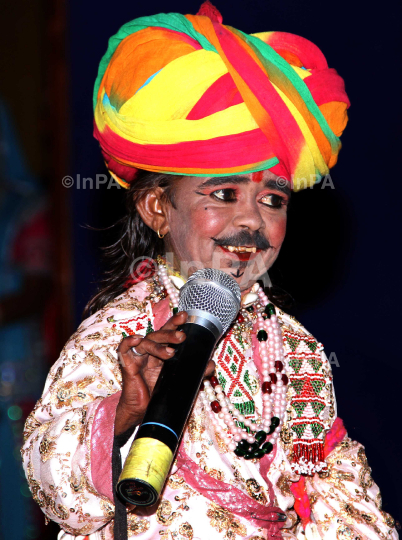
212	291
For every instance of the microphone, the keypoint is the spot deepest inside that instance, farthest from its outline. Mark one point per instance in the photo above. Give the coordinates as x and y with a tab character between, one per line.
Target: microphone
212	300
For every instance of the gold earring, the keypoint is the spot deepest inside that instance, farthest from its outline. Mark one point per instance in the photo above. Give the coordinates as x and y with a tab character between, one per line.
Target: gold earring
160	235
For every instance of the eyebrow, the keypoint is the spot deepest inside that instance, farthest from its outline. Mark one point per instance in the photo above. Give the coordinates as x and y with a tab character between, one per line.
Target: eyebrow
222	180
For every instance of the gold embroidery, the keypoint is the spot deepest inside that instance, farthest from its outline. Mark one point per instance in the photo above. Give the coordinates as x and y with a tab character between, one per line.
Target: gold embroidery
195	428
107	509
313	498
215	473
70	391
76	484
389	520
254	385
223	520
256	491
47	501
344	533
186	530
349	511
96	335
349	451
135	525
175	482
286	435
164	514
30	425
132	304
283	483
47	448
71	427
221	443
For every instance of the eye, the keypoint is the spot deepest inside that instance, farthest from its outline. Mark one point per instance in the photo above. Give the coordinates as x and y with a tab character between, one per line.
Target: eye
227	195
273	200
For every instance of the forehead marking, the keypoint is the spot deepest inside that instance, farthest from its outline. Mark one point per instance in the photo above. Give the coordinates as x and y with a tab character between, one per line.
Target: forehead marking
257	176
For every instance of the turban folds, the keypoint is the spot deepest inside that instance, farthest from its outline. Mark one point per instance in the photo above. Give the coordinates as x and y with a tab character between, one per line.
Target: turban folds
188	95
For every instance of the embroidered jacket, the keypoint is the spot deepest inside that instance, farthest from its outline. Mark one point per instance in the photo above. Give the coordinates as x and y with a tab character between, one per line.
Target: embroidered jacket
69	438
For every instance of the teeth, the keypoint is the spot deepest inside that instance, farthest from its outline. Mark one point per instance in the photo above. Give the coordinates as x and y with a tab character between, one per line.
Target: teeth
241	249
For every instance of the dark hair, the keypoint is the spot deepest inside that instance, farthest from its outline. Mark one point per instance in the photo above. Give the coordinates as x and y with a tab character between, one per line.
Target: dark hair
137	240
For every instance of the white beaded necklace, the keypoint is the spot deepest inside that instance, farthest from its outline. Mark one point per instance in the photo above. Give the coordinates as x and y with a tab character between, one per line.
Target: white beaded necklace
253	440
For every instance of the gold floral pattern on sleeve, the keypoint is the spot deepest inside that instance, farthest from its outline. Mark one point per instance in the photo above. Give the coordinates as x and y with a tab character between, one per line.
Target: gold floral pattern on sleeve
224	521
164	514
256	491
186	530
195	427
349	496
283	483
136	525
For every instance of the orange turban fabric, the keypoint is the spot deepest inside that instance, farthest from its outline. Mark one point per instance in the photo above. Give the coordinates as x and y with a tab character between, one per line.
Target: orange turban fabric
188	95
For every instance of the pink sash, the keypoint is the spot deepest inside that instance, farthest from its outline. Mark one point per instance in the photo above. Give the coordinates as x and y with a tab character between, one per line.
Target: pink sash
230	497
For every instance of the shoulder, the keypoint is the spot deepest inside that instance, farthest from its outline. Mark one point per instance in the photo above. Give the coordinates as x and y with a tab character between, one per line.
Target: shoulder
290	323
96	340
129	313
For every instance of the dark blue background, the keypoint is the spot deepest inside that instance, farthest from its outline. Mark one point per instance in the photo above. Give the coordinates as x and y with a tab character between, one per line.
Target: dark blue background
341	257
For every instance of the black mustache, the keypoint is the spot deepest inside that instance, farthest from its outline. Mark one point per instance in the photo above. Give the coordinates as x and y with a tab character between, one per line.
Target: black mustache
244	238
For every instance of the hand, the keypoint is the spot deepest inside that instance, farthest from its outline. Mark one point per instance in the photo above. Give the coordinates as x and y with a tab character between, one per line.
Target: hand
140	373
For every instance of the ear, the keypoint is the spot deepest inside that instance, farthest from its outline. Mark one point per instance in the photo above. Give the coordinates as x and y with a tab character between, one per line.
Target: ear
152	209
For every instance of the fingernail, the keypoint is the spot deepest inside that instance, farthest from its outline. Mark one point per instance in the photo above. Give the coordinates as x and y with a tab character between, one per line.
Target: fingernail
169	350
179	335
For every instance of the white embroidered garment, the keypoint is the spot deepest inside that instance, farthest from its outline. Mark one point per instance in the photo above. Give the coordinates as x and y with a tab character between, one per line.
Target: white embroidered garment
67	436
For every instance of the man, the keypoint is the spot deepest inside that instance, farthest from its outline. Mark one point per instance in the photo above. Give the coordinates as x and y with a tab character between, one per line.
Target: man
209	129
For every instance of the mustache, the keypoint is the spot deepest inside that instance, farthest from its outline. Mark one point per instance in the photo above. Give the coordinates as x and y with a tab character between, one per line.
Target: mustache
244	238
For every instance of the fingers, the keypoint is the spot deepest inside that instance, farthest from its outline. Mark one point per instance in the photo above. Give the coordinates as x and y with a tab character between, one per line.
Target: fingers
167	336
128	342
175	321
157	343
146	346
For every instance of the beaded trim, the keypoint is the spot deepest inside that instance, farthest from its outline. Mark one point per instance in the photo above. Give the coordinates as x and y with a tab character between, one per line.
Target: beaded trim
309	401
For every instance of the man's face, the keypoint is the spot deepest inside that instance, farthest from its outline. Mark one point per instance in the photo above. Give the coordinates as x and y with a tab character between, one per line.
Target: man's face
234	223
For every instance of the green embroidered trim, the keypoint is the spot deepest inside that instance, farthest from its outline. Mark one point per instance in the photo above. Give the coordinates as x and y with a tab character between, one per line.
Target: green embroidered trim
222	380
296	364
314	363
299	407
149	328
245	408
317	386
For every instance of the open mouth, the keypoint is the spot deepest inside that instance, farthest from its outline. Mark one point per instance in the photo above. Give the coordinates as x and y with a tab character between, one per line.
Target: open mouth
242	253
240	249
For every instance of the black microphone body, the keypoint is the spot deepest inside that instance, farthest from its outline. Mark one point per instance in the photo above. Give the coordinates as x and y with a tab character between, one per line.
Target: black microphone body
177	387
211	306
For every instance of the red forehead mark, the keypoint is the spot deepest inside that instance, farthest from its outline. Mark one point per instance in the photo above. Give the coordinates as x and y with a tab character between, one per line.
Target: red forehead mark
257	176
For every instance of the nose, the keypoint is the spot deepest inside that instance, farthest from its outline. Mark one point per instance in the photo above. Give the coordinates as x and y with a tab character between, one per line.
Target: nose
248	215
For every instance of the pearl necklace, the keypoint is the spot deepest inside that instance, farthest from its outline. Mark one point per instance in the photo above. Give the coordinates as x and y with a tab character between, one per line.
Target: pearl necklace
253	440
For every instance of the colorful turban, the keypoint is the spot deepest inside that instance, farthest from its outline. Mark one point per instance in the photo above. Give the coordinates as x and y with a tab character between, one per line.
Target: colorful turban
187	95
